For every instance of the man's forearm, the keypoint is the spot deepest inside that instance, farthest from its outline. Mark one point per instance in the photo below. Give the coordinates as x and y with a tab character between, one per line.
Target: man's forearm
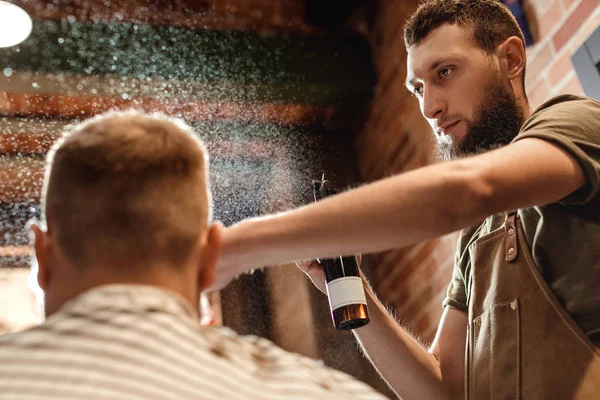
408	368
407	208
390	213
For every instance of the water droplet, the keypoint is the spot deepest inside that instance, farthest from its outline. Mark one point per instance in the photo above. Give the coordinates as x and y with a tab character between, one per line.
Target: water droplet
61	40
8	72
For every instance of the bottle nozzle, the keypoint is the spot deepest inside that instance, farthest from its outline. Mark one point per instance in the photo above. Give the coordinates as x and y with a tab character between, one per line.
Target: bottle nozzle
322	188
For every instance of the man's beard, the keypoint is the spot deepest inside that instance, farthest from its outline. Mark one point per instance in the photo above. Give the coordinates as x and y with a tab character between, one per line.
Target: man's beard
499	119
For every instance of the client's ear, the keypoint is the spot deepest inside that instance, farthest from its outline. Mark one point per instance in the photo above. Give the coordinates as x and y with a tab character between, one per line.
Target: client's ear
210	249
42	254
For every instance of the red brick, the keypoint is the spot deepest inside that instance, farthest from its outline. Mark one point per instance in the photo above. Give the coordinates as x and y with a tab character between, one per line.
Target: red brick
538	94
549	19
588	27
421	323
573	23
416	289
569	3
414	304
406	158
537	64
573	86
560	69
383	269
388	134
541	6
398	267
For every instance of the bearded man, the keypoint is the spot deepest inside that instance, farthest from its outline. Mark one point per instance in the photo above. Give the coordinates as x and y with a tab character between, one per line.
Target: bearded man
522	315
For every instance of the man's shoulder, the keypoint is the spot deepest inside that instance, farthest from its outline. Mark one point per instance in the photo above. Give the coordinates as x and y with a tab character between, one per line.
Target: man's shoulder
568	121
567	106
15	344
267	354
224	350
30	333
568	100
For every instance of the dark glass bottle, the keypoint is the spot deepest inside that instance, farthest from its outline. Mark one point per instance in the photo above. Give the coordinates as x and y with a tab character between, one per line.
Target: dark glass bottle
345	290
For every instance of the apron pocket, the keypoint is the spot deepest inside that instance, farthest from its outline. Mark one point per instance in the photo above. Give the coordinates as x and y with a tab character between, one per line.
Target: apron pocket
496	353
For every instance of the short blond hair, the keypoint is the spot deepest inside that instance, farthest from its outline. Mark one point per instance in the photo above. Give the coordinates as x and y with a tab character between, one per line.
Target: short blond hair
127	189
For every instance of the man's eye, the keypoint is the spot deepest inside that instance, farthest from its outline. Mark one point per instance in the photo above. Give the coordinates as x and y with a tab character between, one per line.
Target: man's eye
418	91
445	72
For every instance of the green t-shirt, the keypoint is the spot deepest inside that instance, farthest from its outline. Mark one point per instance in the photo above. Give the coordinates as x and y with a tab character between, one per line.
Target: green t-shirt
564	237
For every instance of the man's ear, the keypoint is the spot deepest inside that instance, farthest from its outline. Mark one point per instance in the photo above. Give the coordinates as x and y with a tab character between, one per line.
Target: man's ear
41	246
512	57
210	250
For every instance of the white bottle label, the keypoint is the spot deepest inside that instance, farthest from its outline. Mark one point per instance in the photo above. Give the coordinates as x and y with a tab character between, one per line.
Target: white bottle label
345	291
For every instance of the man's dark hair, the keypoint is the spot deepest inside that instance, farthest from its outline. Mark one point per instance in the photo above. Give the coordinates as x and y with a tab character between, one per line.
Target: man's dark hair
489	20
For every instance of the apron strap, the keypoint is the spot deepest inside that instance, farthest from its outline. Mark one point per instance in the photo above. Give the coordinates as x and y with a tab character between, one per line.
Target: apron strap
511	247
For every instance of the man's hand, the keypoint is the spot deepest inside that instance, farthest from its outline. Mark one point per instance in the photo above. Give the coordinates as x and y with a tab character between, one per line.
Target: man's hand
226	272
315	272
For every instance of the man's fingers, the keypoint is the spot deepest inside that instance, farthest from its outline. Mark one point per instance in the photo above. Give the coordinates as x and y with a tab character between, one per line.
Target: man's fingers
308	265
314	271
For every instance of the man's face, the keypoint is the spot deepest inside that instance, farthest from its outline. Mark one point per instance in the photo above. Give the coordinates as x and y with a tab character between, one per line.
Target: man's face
462	93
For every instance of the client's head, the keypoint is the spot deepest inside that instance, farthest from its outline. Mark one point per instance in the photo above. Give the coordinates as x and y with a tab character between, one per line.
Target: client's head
126	201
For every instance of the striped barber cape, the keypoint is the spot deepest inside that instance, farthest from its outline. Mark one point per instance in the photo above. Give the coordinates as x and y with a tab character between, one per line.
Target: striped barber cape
142	342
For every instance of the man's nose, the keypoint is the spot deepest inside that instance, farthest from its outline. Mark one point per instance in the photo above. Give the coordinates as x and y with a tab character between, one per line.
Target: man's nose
433	105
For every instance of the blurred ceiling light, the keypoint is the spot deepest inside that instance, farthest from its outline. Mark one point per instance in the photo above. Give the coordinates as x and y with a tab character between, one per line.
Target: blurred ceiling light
15	24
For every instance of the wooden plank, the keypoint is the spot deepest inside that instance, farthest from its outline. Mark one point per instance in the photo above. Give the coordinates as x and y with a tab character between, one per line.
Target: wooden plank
15	251
66	106
20	178
255	15
30	137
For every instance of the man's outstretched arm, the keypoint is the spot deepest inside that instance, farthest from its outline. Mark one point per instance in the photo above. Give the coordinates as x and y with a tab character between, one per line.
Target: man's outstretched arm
406	208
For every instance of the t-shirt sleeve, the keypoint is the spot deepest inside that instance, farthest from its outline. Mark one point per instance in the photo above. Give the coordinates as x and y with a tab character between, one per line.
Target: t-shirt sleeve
456	295
573	124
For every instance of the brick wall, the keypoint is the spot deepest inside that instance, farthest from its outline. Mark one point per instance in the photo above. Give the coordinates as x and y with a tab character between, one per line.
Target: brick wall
561	26
396	139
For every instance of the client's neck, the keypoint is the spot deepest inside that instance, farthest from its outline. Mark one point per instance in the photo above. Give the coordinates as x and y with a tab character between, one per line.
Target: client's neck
179	280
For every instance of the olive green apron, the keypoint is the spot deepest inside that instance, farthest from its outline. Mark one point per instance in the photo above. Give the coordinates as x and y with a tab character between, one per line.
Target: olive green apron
521	343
